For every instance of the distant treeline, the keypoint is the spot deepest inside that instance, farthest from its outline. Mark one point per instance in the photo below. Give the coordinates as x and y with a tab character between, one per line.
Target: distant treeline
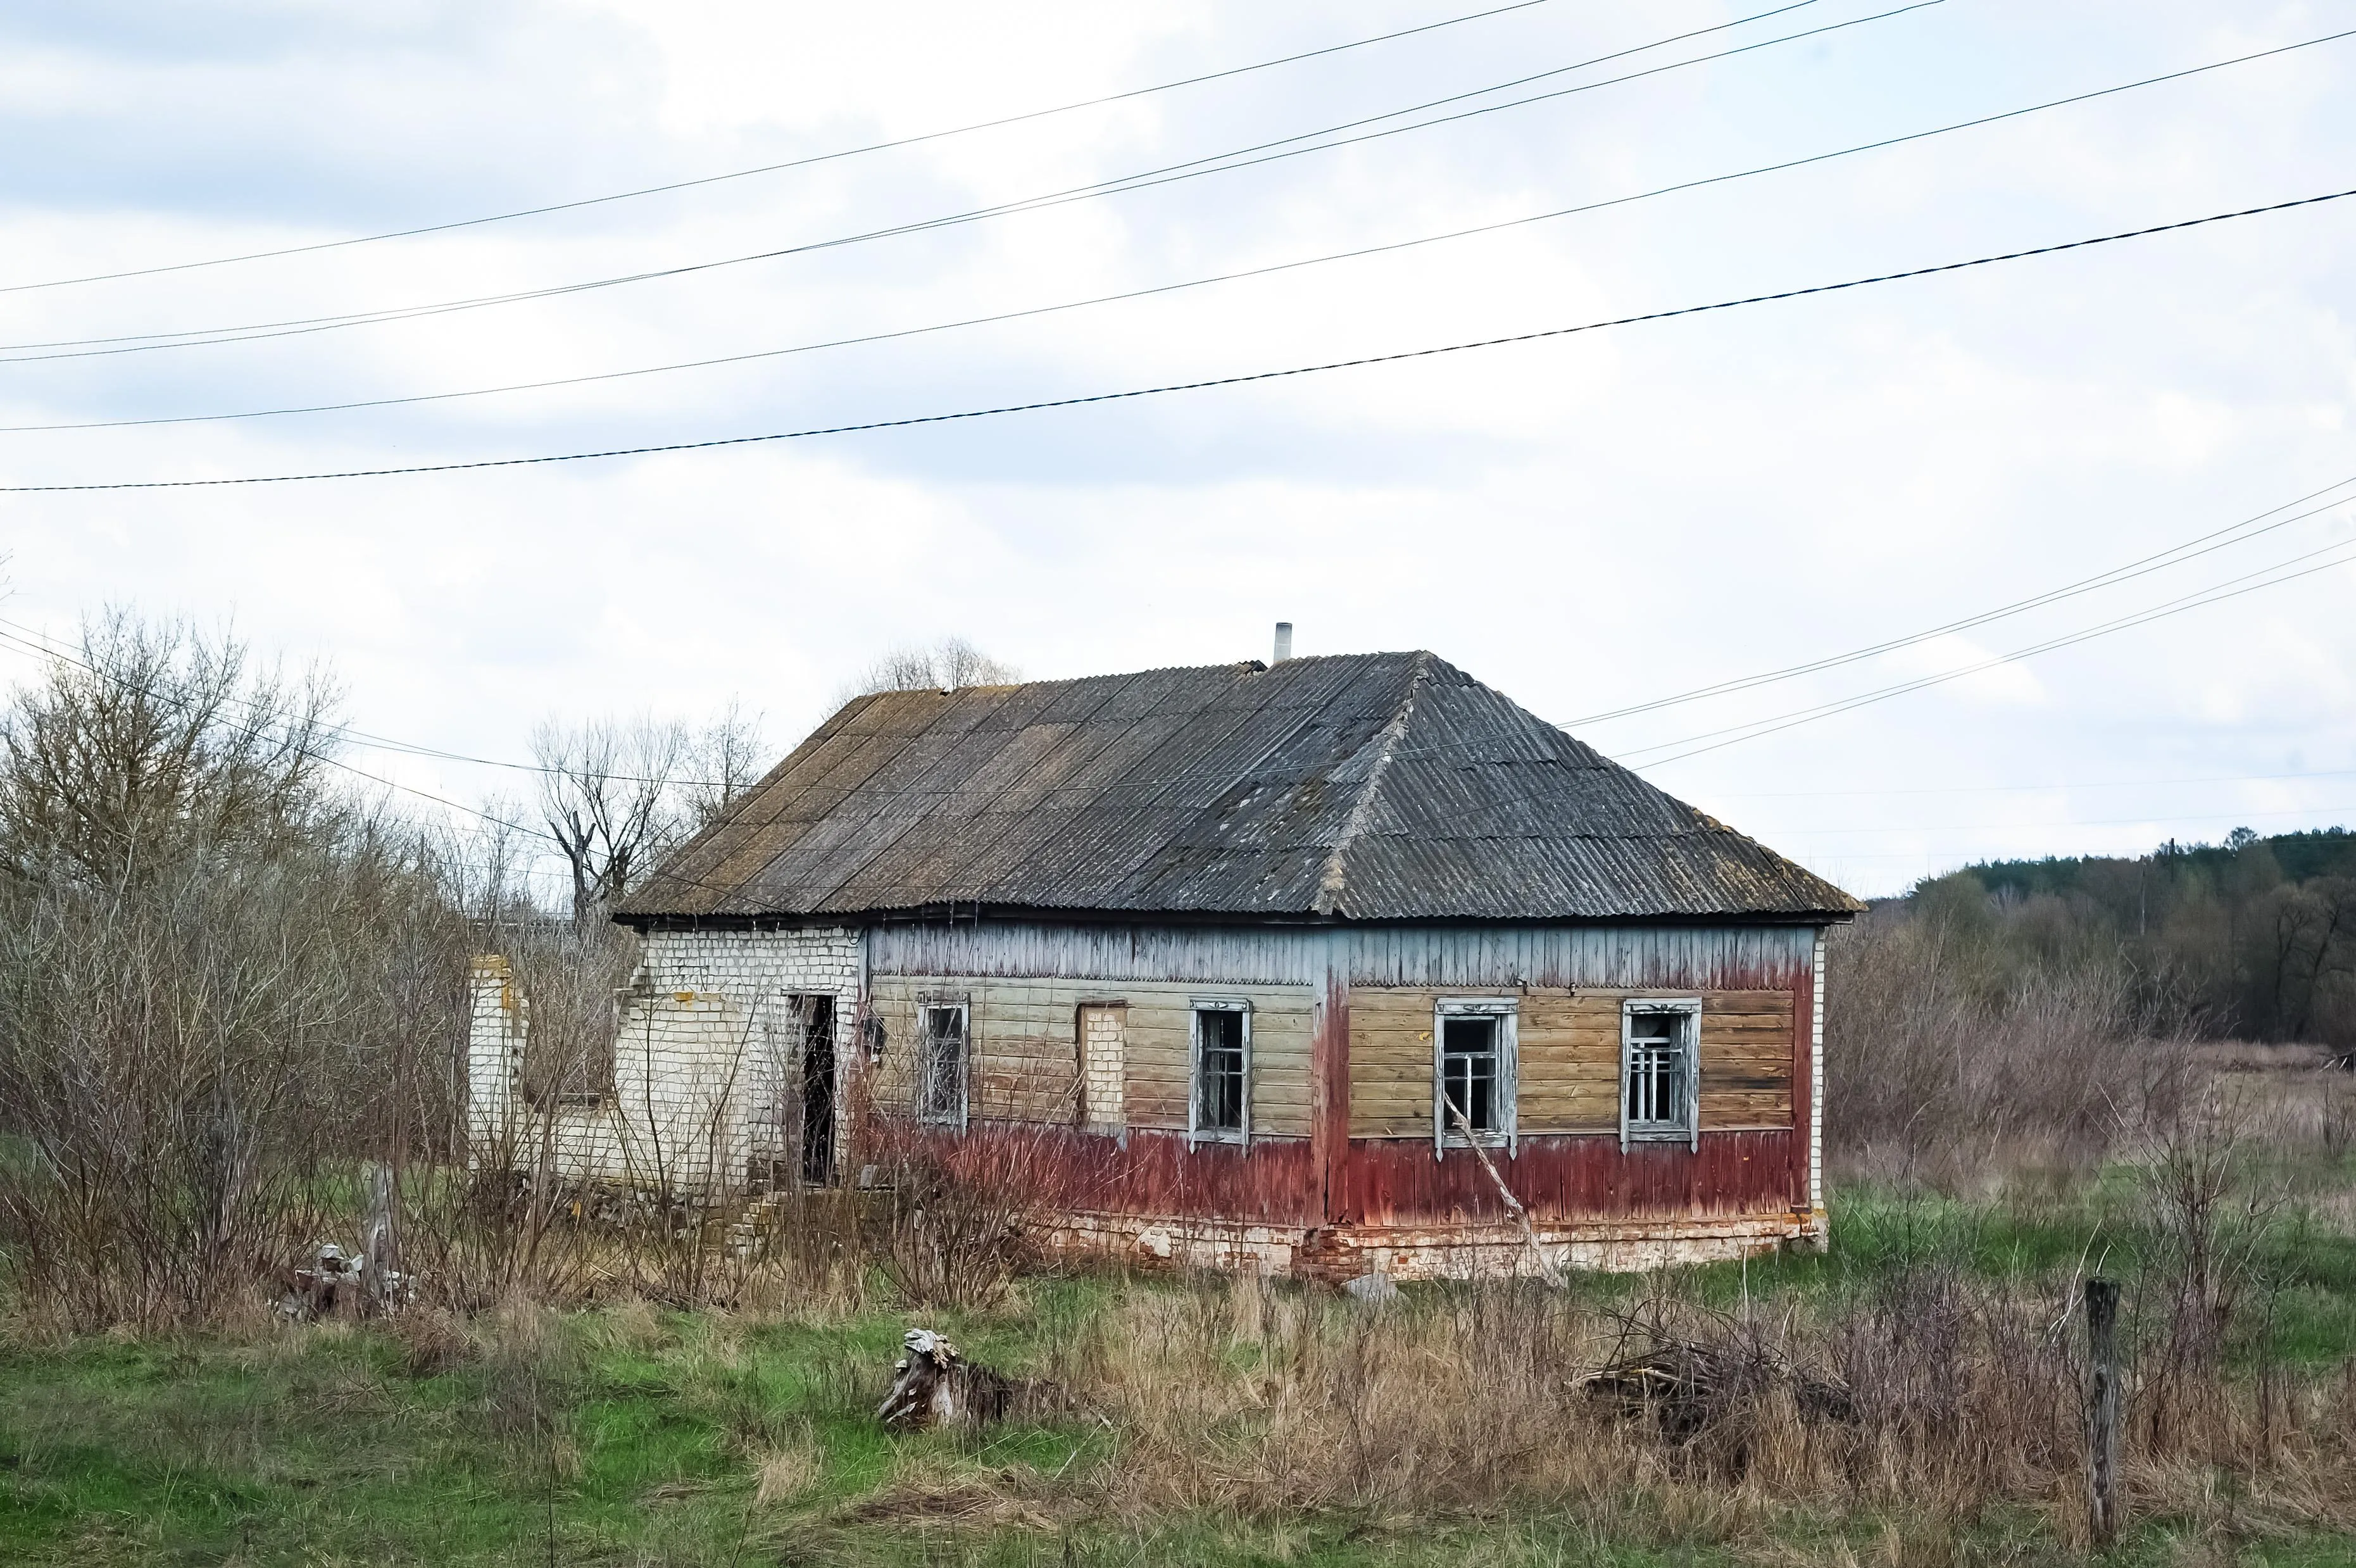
2254	939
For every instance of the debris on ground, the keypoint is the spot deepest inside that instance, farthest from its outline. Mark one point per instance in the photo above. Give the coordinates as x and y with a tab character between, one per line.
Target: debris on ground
336	1284
939	1387
1372	1290
1694	1389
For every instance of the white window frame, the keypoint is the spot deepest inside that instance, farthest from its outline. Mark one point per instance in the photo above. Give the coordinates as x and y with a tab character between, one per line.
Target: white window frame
1196	1133
928	1003
1507	1011
1689	1133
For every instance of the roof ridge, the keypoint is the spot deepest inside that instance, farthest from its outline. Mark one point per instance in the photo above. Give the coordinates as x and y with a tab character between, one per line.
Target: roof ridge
1329	885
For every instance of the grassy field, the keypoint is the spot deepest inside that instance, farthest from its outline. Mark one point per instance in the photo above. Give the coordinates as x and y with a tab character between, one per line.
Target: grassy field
1200	1422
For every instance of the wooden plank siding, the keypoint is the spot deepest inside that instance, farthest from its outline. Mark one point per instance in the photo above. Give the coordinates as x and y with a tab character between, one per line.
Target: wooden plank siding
1568	1071
1025	1047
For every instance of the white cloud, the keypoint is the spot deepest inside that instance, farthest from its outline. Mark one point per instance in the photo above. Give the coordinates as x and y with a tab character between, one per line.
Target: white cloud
1590	522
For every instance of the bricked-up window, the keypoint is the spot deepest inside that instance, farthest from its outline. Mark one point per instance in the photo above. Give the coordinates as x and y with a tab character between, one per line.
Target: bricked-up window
1659	1069
1473	1070
941	1060
1221	1110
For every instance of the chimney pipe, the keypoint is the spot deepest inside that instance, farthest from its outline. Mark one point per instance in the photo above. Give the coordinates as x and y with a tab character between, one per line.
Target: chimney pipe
1283	641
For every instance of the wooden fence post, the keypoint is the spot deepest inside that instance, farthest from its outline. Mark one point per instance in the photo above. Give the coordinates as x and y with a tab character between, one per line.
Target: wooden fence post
2103	1408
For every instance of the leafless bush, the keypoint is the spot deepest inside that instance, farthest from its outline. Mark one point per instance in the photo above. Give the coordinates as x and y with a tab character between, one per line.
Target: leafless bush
950	1227
944	666
1934	1058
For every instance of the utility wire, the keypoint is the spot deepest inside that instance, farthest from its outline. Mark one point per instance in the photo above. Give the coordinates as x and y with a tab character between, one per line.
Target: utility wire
2124	623
1195	168
2043	789
2174	556
1190	284
2059	822
2215	594
776	168
915	420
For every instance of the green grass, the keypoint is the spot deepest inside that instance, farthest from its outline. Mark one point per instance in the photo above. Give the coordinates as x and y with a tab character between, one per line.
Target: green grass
636	1437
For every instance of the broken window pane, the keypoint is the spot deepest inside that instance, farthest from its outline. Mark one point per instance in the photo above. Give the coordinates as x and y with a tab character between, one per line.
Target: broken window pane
1468	1072
1657	1076
1219	1086
940	1066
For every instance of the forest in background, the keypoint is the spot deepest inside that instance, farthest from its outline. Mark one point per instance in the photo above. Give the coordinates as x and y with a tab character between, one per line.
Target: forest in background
2254	939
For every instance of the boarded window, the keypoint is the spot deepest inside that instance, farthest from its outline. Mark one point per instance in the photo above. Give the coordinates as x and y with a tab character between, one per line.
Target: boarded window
941	1058
1658	1071
1103	1034
1222	1099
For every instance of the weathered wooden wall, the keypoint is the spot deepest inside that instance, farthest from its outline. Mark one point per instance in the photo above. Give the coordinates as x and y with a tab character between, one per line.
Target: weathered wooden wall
1026	981
1568	1045
1025	1047
1559	1178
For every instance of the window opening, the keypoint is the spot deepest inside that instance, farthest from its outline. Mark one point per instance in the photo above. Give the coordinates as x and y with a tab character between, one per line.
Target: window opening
1221	1108
1473	1071
1468	1072
1658	1071
941	1062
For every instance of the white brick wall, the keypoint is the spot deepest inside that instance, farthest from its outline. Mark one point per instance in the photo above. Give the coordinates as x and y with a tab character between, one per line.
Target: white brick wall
705	1062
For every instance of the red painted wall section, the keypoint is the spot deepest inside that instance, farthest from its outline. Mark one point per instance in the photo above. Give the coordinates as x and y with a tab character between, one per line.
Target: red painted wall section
1385	1182
1274	1181
1804	1086
1399	1182
1330	1100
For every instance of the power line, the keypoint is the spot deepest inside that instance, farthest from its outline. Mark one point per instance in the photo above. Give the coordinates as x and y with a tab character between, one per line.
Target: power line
1190	284
1194	168
2174	556
2041	788
487	463
789	164
2066	822
1758	728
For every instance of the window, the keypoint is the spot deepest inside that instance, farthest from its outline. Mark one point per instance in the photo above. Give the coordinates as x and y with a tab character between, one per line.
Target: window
941	1060
1473	1071
1658	1071
1222	1101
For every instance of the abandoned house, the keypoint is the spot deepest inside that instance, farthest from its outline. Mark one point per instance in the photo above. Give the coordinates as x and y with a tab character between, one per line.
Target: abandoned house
1301	966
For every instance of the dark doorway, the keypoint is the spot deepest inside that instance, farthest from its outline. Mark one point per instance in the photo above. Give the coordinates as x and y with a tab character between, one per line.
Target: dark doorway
816	1015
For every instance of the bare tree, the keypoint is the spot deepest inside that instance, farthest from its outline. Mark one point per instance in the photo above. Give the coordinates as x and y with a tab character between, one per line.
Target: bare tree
608	794
154	743
944	666
724	759
617	795
217	973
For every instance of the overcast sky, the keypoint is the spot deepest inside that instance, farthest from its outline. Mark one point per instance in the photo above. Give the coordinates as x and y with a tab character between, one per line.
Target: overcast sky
1588	522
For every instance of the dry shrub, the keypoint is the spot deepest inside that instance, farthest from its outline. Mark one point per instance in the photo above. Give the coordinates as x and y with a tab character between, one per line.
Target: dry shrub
948	1228
1944	1056
1930	1395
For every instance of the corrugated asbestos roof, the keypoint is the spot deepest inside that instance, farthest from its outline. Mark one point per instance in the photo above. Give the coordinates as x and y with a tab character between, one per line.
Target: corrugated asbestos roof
1365	787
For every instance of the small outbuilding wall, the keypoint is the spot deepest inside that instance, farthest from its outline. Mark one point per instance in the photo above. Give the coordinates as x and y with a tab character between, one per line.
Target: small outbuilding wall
707	1056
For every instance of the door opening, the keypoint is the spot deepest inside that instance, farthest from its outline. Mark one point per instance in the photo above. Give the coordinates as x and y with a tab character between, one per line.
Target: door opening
817	1018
